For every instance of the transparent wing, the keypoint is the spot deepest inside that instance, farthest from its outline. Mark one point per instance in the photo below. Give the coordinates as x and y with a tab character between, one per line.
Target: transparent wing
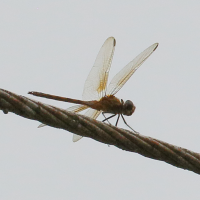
77	108
42	125
90	113
122	77
96	82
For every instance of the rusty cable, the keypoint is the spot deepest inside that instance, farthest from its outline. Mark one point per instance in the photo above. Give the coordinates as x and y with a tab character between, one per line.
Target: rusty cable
102	132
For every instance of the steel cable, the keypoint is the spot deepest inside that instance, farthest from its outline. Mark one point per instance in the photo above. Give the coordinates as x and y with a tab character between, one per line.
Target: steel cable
102	132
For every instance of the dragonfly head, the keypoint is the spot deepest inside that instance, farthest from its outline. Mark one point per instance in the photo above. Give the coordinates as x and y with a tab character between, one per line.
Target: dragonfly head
128	108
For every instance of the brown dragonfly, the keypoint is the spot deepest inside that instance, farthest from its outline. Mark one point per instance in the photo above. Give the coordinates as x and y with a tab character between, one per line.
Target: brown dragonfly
97	97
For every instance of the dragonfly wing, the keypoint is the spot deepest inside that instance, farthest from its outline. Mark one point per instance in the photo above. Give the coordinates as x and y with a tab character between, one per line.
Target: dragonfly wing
42	125
90	113
77	108
96	82
122	77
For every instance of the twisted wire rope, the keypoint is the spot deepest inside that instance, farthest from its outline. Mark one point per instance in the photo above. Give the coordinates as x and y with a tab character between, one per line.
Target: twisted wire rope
102	132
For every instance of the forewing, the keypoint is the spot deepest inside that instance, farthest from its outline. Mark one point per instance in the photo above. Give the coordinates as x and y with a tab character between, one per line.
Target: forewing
96	82
122	77
90	113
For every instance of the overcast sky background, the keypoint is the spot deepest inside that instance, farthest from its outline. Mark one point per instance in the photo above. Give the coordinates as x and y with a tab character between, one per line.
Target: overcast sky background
50	46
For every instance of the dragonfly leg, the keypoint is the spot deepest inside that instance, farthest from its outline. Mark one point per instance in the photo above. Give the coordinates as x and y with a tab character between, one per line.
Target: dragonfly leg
106	119
117	119
127	124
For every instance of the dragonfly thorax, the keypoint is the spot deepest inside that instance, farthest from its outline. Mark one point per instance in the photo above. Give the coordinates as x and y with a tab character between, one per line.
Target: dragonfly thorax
128	108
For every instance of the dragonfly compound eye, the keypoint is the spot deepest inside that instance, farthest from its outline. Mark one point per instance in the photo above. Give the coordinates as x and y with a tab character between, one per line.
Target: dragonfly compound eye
128	108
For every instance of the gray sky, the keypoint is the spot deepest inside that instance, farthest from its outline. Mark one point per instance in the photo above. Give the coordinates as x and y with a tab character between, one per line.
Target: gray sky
50	46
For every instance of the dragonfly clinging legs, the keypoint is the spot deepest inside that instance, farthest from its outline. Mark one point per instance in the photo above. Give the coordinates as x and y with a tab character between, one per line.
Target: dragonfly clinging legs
97	97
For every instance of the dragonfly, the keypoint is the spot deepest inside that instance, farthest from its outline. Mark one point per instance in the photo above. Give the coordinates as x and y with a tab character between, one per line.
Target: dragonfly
97	96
